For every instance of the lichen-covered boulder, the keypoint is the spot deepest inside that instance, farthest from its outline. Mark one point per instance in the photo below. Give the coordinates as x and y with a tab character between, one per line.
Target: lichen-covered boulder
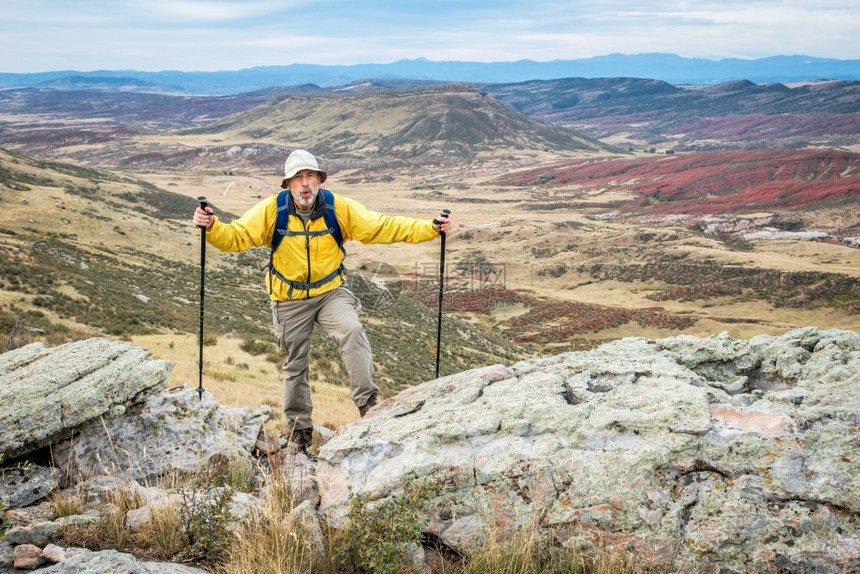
699	454
103	407
47	394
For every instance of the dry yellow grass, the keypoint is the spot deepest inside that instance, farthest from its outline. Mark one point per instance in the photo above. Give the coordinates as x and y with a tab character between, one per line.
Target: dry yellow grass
237	378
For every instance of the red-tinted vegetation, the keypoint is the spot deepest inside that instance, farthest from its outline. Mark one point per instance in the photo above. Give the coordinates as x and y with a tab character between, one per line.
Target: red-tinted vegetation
561	324
573	325
712	182
758	126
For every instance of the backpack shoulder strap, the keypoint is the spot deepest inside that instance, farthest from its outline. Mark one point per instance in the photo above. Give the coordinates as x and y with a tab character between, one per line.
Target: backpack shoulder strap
281	220
331	217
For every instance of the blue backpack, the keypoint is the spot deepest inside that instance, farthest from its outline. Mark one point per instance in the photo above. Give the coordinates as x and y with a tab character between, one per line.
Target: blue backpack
332	228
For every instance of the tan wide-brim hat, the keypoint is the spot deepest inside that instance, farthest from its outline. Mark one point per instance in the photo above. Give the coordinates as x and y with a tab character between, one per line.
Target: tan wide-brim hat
299	160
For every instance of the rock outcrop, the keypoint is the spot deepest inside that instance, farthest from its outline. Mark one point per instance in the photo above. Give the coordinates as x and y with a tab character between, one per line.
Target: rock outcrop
172	430
48	394
104	409
699	454
82	561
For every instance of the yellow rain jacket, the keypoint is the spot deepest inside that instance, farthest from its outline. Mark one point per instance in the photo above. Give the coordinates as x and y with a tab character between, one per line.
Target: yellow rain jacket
311	259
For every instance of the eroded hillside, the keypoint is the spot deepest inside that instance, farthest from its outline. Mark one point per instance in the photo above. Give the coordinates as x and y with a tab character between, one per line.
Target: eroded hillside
449	120
811	188
737	115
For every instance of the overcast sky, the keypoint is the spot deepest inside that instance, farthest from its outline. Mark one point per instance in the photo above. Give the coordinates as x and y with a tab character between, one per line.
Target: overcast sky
200	35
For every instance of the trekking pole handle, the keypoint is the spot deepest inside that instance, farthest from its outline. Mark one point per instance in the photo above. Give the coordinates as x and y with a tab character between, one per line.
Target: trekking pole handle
445	213
203	205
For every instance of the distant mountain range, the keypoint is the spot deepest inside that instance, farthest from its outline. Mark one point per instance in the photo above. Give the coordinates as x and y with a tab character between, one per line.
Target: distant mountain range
666	67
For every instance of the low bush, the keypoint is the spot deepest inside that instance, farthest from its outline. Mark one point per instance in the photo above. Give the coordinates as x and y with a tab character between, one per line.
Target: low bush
255	347
379	536
204	514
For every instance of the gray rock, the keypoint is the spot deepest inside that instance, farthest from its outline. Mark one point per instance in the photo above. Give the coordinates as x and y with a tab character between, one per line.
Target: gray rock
242	505
138	518
25	485
54	553
81	561
44	533
100	490
46	394
304	521
698	454
298	472
171	431
156	497
5	554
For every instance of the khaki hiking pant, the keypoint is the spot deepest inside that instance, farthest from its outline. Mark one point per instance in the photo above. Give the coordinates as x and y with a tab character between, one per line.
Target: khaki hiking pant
293	323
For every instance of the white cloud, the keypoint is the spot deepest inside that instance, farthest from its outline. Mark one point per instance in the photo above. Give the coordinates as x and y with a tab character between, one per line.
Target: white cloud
230	34
203	11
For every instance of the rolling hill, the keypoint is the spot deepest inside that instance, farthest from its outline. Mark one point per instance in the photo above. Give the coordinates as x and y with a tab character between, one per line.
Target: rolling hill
450	120
432	119
406	125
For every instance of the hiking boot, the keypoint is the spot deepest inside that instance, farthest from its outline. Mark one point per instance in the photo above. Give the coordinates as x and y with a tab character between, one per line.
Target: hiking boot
370	403
301	438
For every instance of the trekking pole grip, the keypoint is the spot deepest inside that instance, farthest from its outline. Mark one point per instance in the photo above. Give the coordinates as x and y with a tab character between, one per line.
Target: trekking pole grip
203	205
444	213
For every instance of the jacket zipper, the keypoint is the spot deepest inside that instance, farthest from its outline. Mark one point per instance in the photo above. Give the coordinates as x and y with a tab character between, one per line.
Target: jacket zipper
308	251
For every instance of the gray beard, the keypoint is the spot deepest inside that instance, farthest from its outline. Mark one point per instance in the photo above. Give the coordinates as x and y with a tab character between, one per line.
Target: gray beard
308	206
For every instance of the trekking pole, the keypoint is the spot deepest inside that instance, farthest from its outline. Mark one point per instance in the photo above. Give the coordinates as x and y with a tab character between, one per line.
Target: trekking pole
445	212
203	206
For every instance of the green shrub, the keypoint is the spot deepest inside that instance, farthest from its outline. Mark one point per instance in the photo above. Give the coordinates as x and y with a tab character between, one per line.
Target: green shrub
203	517
3	523
255	347
379	536
238	474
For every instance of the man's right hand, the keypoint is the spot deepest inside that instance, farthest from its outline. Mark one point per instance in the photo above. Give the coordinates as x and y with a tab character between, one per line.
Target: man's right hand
202	218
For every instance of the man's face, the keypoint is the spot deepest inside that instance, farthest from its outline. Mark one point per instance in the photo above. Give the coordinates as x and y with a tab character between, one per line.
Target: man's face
304	187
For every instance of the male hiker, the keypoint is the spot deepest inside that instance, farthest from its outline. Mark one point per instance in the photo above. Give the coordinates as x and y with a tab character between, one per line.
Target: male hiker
305	275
